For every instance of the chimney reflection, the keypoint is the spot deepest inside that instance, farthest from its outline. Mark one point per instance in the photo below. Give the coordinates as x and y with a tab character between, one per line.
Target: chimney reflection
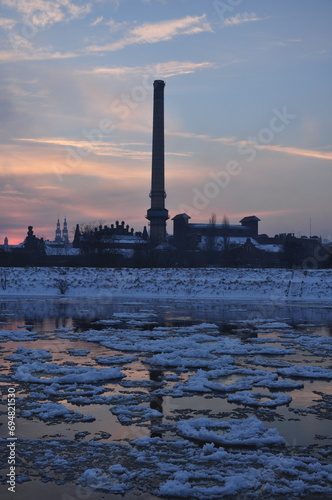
157	402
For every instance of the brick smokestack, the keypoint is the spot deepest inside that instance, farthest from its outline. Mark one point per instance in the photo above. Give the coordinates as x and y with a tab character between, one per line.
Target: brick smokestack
157	214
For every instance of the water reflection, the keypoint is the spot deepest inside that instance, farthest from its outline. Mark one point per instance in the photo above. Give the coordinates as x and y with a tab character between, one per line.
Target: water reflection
157	402
326	331
49	314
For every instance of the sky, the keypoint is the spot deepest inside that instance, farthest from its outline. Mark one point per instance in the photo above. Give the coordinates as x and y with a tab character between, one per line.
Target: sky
248	112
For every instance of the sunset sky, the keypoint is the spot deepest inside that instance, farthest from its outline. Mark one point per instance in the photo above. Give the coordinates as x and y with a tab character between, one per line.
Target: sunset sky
248	112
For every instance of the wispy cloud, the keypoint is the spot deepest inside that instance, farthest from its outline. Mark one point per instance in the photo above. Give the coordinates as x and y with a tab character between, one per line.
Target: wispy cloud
96	21
202	137
243	18
114	26
7	24
29	52
102	148
233	141
315	54
166	70
285	43
174	68
157	32
309	153
41	13
277	212
16	88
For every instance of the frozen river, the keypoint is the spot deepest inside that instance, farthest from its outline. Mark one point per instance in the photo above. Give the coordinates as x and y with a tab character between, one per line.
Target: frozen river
167	399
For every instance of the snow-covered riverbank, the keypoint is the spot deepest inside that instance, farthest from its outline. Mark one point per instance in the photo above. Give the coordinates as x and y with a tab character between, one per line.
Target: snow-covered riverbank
214	283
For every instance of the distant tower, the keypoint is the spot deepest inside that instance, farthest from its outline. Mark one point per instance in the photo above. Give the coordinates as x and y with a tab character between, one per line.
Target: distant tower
251	223
6	242
65	232
157	214
58	238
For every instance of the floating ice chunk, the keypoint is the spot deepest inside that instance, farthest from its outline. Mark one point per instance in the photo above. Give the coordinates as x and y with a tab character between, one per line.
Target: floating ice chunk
198	484
48	411
18	336
23	354
249	432
113	482
117	469
138	315
171	378
306	372
128	414
196	383
95	478
274	325
202	381
199	357
67	375
64	329
107	322
234	346
259	399
280	384
269	362
316	344
115	360
73	391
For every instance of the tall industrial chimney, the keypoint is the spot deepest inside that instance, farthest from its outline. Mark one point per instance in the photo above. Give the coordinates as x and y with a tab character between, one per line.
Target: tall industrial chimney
157	214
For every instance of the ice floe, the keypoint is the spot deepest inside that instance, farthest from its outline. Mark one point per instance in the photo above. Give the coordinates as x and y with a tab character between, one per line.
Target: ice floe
50	373
259	399
249	432
306	372
203	381
22	354
115	360
128	414
18	335
182	468
115	481
50	411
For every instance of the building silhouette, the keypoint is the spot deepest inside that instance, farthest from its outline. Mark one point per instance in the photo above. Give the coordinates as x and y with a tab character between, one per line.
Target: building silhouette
193	236
192	243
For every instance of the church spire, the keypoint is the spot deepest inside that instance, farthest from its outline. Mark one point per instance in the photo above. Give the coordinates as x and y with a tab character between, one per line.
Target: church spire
58	238
65	232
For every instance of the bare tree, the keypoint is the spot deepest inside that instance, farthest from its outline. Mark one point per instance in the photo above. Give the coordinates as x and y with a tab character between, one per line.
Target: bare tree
226	240
4	278
225	233
211	238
